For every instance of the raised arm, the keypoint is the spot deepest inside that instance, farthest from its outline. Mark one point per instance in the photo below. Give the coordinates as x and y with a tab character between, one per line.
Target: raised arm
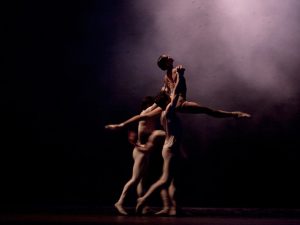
175	95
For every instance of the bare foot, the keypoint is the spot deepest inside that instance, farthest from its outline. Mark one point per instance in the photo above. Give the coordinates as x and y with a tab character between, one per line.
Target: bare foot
172	211
241	115
146	210
163	212
120	209
139	205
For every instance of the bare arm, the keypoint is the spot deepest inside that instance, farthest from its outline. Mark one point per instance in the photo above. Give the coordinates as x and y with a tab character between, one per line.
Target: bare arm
155	140
155	112
179	80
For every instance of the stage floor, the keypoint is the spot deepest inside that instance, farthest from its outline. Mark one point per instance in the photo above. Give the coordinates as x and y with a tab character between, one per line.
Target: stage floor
191	216
140	220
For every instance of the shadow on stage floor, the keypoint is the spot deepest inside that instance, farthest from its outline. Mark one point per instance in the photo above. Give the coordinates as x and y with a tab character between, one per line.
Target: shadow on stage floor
189	216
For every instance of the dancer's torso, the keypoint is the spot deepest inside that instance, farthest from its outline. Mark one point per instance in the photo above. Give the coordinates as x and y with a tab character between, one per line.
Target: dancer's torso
170	82
146	127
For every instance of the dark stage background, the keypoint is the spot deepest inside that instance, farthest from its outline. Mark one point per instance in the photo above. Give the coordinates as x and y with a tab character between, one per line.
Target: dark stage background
70	67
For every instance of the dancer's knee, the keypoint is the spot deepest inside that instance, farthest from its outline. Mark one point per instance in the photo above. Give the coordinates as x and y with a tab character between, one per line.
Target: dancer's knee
164	182
133	181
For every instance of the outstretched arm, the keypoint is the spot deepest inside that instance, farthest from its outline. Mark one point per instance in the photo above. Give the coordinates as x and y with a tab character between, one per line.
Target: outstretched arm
155	112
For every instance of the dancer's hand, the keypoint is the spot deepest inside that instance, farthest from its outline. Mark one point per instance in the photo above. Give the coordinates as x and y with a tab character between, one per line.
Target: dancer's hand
180	69
241	115
142	148
114	126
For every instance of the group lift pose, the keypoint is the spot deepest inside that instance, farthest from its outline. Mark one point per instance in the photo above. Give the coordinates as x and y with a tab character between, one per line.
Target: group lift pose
166	136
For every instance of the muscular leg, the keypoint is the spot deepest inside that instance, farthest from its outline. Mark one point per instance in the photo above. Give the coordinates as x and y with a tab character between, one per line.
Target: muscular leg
140	188
140	163
163	182
166	202
169	202
172	194
195	108
140	192
155	142
137	172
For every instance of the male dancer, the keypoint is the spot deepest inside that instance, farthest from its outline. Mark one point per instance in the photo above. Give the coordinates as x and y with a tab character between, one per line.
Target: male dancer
171	77
149	139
